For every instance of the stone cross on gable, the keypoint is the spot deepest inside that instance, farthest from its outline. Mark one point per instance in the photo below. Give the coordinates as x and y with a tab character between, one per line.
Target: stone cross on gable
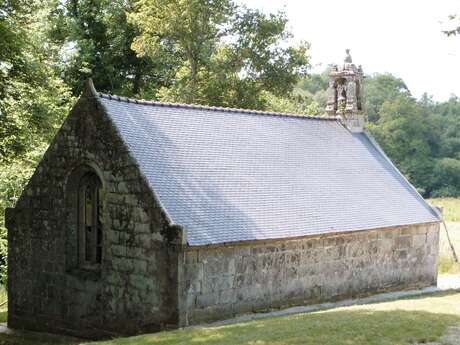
345	94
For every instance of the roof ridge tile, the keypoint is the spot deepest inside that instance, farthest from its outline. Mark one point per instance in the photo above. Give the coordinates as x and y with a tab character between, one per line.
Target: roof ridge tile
213	108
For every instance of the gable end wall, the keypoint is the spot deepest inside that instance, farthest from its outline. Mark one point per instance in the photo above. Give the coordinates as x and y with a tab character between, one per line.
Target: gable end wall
136	288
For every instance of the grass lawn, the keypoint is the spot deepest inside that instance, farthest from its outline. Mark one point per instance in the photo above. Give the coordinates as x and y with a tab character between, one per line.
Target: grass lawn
451	210
401	322
450	206
446	262
398	322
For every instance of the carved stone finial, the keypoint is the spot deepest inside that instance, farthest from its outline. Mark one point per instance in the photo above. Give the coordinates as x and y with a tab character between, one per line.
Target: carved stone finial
90	90
348	56
345	94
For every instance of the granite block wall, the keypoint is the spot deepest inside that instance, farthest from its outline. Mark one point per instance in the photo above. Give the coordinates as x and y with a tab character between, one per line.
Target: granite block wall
222	281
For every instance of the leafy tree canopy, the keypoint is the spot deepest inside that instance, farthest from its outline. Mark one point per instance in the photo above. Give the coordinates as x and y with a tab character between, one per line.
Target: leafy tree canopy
409	137
380	88
95	40
225	54
33	99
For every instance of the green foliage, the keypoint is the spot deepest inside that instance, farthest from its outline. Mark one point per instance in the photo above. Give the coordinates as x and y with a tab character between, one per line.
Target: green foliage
315	83
447	172
448	114
34	99
185	32
422	137
380	88
33	102
293	105
313	89
200	51
224	54
409	138
95	40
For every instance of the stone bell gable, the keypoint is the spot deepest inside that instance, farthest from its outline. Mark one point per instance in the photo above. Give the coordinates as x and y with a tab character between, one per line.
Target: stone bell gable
346	94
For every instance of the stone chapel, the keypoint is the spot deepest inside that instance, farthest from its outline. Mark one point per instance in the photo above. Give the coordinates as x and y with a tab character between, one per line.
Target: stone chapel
144	215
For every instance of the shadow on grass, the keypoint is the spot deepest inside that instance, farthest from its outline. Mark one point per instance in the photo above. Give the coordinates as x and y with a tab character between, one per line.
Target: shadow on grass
358	327
33	338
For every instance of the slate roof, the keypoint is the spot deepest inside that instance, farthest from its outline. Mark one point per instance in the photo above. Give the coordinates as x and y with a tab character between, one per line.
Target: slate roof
229	175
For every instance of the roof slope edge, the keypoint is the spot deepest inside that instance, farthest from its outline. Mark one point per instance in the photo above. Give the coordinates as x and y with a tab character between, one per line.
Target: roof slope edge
90	93
374	142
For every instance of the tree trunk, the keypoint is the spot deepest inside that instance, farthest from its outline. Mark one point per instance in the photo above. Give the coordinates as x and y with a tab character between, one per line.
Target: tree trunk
193	72
137	81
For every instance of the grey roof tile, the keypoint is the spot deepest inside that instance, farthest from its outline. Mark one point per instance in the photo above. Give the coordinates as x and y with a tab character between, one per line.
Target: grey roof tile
231	175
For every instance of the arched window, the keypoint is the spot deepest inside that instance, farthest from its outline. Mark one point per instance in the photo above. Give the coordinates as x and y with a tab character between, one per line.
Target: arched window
89	221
